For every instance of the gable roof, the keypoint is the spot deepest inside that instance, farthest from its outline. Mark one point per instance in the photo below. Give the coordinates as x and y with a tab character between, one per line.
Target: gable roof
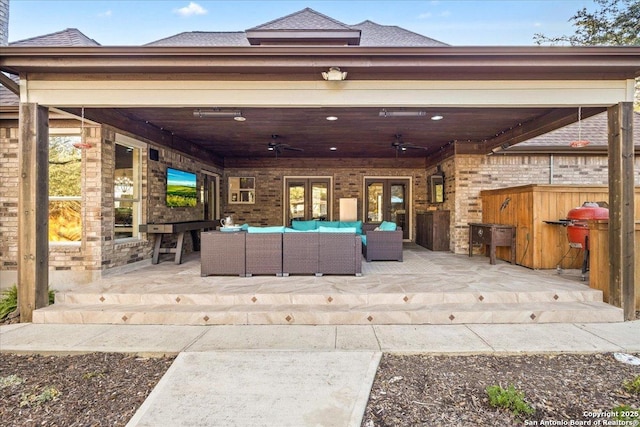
306	25
68	37
305	19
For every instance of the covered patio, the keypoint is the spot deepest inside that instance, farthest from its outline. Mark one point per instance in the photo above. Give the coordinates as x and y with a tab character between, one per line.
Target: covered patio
390	113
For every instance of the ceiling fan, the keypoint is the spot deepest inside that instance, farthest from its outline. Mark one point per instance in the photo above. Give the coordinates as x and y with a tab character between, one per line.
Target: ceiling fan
401	146
279	147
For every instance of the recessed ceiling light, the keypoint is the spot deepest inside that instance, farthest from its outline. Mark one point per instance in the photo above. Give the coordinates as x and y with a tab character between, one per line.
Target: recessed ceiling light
239	119
333	148
437	117
332	118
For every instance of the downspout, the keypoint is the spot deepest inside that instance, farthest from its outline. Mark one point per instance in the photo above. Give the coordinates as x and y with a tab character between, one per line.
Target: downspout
550	168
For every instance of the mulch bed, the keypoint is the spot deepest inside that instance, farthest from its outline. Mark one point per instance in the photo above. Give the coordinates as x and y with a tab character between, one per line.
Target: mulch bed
98	389
421	390
105	389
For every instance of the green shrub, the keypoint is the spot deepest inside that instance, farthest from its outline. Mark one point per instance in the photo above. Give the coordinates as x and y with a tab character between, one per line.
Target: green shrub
632	386
627	413
9	300
510	399
32	399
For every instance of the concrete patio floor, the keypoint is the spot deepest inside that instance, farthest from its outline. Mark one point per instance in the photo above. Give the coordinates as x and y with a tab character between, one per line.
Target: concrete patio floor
427	288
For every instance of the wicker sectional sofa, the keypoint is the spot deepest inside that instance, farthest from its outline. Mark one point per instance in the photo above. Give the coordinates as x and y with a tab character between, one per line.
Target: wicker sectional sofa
245	254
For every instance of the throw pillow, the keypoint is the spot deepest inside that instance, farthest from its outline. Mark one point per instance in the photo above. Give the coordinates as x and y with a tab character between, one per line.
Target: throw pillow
388	226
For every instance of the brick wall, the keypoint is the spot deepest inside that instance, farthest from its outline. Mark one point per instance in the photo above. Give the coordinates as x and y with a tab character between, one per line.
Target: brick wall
8	200
268	208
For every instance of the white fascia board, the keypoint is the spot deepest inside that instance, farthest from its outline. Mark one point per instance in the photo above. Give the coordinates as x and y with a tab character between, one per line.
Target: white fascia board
481	93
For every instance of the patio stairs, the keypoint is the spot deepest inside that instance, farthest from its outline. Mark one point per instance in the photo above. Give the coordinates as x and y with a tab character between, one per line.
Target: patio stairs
325	306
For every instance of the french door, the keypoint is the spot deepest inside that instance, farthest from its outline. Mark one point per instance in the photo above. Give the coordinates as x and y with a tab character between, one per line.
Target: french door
307	198
387	199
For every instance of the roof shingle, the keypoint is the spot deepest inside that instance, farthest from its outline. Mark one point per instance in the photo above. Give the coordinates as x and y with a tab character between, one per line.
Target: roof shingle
64	38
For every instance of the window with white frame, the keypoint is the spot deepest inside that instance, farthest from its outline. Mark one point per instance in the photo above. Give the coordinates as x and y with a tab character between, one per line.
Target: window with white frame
126	188
65	188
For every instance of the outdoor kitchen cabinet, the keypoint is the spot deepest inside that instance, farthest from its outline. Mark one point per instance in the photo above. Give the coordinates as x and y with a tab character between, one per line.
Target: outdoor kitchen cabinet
432	230
540	245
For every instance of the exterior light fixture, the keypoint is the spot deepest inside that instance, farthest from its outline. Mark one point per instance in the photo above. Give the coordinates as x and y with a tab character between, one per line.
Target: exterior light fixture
83	142
385	113
235	114
333	148
437	117
332	118
579	142
239	118
334	74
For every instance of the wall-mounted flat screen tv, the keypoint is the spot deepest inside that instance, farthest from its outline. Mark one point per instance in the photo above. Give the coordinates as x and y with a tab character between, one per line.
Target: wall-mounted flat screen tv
181	188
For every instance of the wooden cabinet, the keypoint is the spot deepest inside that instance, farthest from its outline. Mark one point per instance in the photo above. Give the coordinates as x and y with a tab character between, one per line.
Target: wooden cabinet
540	245
432	230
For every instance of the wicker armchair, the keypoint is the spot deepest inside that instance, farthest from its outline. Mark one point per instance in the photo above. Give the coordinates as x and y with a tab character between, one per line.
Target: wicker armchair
382	245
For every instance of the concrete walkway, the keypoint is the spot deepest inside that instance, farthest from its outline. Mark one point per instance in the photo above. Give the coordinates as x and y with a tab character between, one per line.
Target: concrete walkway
294	375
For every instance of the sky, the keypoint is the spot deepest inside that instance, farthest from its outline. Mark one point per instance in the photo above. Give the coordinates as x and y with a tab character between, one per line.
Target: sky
460	23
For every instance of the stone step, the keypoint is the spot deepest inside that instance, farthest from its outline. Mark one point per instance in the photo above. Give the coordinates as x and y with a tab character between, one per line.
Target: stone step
330	314
328	298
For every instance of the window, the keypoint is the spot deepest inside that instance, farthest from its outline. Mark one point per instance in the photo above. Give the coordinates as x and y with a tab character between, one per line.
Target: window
65	189
126	190
242	190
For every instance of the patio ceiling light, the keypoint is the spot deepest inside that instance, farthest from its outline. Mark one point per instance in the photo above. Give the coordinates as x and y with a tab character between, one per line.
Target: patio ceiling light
437	117
402	113
334	74
235	114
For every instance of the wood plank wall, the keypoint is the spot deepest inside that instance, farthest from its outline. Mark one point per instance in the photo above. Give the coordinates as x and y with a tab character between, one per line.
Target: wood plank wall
540	245
599	256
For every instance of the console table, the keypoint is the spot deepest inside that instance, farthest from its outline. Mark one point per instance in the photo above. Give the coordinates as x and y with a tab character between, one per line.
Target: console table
172	228
492	236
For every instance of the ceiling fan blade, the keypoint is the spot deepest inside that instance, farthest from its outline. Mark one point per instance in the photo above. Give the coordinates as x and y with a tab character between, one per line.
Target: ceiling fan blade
287	147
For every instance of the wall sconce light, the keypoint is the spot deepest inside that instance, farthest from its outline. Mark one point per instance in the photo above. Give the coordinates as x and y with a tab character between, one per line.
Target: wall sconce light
334	74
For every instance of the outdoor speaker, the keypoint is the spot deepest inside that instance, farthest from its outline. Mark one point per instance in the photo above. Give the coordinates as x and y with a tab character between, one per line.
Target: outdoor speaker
153	154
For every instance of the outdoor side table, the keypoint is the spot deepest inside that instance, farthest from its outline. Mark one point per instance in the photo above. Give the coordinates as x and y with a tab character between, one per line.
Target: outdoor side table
492	236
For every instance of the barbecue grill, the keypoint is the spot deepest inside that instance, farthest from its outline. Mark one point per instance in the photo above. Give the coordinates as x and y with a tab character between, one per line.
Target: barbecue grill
578	228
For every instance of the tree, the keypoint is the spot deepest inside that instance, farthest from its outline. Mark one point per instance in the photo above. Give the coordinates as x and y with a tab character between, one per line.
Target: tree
615	23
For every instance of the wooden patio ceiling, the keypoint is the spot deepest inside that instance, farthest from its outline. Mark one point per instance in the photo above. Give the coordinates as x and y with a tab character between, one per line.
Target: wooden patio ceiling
357	132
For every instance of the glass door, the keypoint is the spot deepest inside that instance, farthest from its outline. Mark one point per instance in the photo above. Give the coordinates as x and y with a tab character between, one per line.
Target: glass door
388	200
307	198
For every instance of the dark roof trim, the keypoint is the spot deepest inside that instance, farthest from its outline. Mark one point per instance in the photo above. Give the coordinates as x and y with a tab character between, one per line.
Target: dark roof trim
493	62
344	37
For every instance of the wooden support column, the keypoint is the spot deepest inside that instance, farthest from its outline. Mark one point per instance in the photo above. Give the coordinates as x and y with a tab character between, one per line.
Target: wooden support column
621	208
33	210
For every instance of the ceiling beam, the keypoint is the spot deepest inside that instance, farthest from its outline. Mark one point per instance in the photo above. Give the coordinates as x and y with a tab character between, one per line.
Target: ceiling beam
7	82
